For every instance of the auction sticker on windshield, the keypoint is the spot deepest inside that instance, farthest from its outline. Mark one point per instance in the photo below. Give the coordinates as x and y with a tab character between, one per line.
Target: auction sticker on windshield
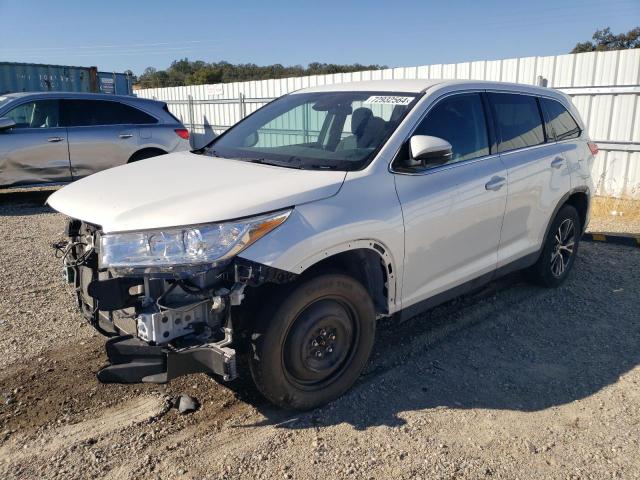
389	99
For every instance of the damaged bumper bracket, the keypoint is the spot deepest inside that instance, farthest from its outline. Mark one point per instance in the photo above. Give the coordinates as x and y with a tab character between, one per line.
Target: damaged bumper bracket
134	361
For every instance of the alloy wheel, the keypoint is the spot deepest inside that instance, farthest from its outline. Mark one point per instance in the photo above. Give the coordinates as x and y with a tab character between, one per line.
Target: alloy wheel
563	247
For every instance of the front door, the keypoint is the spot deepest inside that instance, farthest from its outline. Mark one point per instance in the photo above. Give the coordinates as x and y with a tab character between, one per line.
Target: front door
453	212
35	150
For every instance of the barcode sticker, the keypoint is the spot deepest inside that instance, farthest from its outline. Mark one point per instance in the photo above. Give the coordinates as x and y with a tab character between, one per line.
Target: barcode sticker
389	99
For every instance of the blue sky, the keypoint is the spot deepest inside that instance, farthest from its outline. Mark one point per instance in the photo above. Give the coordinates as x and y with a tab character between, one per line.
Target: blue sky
118	35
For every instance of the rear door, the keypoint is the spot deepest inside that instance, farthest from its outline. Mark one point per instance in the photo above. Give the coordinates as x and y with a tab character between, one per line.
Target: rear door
537	172
452	212
561	126
35	150
102	133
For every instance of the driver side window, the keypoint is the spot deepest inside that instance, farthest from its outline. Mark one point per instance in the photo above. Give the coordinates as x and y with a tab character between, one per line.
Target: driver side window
459	120
36	114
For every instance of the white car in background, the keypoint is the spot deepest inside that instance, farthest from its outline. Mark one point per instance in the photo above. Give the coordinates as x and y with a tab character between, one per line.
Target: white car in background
288	236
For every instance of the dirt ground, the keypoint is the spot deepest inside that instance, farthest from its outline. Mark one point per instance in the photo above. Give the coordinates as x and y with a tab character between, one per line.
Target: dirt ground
513	381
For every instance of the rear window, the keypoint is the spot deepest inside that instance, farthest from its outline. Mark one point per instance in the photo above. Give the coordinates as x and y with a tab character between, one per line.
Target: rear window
82	113
517	119
560	124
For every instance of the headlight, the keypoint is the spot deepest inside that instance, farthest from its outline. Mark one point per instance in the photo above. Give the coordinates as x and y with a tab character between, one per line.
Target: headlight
198	245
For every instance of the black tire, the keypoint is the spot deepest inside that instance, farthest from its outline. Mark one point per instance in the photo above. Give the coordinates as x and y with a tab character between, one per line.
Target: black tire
144	154
315	342
559	250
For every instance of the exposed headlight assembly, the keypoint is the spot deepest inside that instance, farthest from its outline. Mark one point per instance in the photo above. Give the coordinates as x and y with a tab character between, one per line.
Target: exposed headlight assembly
190	248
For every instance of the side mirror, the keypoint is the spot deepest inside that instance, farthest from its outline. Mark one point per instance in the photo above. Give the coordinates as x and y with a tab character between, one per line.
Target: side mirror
6	123
429	151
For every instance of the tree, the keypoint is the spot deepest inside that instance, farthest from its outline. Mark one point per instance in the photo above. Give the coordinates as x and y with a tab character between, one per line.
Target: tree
131	75
186	72
605	40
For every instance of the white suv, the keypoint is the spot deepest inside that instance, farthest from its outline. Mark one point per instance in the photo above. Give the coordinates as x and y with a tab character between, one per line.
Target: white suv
288	236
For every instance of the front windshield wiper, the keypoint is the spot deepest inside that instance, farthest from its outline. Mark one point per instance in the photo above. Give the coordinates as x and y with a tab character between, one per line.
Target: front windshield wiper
209	151
264	161
322	167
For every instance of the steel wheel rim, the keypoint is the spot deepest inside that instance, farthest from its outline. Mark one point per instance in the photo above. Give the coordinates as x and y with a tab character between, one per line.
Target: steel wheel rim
320	343
564	242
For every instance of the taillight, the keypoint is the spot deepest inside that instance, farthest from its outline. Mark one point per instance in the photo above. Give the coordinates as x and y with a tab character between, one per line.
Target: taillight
593	147
182	133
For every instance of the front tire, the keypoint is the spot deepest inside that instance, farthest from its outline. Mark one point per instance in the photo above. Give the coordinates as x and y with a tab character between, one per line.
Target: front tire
315	343
560	249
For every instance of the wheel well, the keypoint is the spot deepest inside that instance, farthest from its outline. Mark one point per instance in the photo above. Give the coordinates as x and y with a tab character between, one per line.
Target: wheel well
580	201
366	266
146	153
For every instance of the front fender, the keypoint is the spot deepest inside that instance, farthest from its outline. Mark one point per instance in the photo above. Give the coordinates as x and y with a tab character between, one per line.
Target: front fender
365	213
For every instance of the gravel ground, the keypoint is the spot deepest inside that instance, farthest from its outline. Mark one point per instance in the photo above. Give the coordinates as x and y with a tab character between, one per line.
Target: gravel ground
615	225
513	381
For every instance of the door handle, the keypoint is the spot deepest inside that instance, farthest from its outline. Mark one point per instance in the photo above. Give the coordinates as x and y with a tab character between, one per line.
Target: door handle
495	184
55	139
125	135
557	162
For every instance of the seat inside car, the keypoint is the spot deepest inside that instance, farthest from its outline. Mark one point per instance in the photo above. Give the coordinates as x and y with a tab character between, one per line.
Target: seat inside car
366	129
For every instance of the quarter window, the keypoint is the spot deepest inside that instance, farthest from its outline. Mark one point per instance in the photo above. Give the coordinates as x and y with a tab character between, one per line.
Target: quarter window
82	113
36	114
460	121
518	120
560	124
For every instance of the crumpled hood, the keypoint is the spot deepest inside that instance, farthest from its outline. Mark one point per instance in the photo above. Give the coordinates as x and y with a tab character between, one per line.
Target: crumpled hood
185	188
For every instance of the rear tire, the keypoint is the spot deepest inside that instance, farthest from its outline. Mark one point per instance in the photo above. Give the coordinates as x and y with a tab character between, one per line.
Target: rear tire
315	343
559	250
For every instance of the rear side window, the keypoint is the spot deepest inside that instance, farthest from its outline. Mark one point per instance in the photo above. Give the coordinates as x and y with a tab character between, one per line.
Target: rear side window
82	113
517	119
460	121
560	123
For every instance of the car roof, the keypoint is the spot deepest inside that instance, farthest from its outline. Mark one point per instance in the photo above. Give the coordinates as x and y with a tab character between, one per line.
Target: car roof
77	95
418	86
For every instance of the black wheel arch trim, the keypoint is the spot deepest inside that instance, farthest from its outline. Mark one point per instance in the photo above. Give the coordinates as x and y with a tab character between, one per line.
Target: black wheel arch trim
562	202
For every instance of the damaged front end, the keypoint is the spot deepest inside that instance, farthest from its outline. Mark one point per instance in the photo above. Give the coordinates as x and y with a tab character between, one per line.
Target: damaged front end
166	319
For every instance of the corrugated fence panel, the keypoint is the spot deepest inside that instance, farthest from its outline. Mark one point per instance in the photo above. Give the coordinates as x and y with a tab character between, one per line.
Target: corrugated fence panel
605	87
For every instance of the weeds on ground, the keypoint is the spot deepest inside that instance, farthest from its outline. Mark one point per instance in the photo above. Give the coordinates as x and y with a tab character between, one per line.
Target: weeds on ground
622	208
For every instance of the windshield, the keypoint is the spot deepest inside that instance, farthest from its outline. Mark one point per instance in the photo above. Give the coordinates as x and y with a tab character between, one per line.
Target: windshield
333	130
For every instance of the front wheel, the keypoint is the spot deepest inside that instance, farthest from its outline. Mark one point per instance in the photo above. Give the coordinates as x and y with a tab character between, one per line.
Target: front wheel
560	249
315	343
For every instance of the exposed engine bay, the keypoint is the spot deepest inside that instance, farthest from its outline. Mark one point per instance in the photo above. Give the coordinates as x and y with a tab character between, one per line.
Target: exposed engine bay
162	325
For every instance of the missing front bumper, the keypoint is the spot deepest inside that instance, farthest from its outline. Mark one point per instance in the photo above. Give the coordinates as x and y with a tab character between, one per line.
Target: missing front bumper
134	361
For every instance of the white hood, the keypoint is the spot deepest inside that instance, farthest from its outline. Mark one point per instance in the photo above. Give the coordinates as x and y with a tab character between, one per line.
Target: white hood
185	188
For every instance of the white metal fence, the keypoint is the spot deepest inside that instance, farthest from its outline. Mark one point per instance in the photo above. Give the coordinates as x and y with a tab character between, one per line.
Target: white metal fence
605	87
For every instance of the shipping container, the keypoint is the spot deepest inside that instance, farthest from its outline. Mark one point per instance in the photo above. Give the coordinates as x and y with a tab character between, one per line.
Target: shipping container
32	77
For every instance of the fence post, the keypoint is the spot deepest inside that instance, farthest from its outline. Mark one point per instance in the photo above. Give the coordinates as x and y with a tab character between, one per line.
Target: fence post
243	107
191	117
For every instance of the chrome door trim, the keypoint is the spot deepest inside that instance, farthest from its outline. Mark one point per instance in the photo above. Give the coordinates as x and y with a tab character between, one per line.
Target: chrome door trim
449	166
